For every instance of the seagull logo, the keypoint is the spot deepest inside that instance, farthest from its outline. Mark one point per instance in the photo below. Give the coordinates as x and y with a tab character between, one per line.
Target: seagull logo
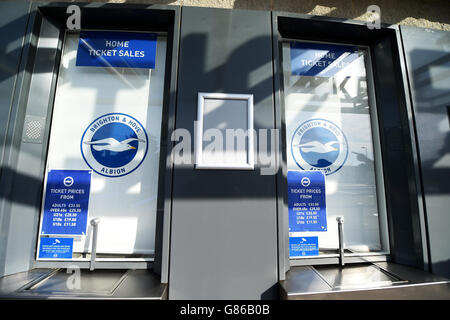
317	146
112	144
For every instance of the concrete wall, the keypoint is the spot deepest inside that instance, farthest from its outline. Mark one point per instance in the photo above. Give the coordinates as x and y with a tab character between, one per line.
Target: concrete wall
425	14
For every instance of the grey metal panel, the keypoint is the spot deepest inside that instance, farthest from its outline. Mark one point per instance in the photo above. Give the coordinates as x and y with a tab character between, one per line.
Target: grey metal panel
162	242
303	279
427	54
11	283
19	46
13	23
399	170
308	283
283	216
142	283
437	291
350	277
224	223
420	221
98	284
30	160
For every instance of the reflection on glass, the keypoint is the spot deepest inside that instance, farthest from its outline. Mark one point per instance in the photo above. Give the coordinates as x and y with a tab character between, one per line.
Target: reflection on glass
125	203
328	84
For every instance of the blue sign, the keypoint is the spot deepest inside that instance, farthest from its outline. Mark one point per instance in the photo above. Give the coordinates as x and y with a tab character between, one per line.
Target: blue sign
114	144
303	246
306	201
320	60
117	49
56	248
319	144
66	202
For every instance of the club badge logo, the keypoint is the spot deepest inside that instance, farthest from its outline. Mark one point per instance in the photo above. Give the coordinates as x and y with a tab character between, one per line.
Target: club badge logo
319	144
114	144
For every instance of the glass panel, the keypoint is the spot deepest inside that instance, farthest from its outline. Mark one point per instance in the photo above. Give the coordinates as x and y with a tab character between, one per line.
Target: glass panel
105	130
331	128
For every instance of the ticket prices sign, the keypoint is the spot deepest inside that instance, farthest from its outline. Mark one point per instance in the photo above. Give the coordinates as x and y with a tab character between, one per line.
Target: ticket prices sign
66	202
306	201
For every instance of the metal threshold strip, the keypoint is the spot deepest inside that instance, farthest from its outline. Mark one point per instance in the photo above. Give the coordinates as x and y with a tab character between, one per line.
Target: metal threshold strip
59	282
384	280
357	277
84	284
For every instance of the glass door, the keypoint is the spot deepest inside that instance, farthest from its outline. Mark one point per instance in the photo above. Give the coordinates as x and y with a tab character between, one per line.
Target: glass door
104	149
332	151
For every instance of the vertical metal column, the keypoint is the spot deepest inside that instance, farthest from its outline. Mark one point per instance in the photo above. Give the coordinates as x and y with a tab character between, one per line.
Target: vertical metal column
94	224
340	221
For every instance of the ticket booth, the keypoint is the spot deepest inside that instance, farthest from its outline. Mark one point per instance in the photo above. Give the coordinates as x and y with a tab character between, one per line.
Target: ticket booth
116	181
348	186
96	120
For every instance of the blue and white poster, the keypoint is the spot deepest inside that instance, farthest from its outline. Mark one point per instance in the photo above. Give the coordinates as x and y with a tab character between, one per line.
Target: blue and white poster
319	144
320	60
117	49
66	202
303	246
56	248
306	201
114	145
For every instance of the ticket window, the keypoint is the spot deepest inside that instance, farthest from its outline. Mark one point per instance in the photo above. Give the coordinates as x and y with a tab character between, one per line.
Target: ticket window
104	148
333	155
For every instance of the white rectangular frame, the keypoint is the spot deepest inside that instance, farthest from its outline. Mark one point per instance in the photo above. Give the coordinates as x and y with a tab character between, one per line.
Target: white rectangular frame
199	164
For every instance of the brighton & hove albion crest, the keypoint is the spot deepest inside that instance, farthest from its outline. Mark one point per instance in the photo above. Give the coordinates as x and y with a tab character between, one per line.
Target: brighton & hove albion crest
319	144
114	144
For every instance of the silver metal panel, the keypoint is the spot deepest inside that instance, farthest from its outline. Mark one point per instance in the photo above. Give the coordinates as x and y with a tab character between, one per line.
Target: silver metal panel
283	217
384	280
438	291
303	279
103	283
356	276
11	283
99	264
413	275
99	284
335	260
141	283
162	264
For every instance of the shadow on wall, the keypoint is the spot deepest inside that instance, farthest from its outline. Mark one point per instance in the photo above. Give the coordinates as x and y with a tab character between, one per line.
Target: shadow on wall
431	101
432	97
